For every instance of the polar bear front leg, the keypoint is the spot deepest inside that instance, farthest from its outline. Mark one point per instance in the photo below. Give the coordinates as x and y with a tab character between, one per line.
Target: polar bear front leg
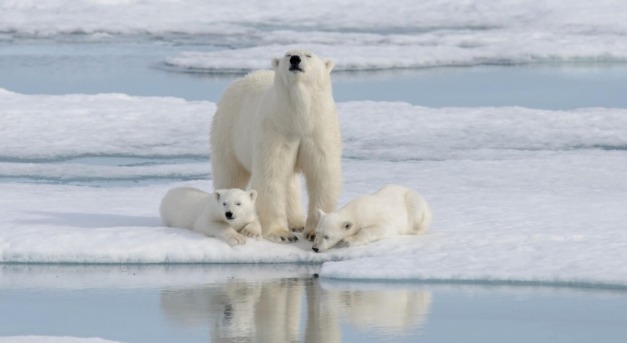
252	230
295	216
222	231
365	236
324	184
273	167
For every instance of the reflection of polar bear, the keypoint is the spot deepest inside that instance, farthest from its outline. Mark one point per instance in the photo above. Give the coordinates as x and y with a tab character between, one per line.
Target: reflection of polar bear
397	310
392	210
228	214
269	126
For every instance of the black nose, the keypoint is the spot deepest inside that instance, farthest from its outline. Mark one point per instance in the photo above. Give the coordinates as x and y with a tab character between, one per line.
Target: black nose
295	60
315	249
229	215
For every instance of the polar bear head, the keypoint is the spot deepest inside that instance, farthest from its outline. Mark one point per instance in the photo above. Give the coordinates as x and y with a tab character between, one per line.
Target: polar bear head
237	207
302	66
331	229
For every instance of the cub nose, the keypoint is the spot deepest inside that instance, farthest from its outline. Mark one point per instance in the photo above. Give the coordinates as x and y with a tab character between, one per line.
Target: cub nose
315	249
294	60
229	215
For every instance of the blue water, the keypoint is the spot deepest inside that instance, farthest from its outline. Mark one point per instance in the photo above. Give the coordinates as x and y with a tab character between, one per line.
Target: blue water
137	68
177	303
281	303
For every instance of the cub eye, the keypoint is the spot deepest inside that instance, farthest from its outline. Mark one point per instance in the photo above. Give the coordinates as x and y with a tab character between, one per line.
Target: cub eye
288	55
224	203
238	204
325	237
308	55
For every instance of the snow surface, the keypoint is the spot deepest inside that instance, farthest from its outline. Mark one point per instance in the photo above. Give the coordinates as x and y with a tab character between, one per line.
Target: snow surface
367	34
519	195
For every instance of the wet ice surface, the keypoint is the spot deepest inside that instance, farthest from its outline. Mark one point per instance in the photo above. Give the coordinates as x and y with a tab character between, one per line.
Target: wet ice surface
509	187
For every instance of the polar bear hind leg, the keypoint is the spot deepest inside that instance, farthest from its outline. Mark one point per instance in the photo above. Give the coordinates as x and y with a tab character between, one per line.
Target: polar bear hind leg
231	174
419	211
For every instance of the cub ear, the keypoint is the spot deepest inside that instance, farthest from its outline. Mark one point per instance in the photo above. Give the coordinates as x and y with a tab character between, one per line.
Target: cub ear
275	63
218	195
321	213
253	195
347	225
329	65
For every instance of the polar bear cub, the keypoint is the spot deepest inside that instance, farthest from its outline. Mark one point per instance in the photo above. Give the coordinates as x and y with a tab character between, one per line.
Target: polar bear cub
228	214
392	210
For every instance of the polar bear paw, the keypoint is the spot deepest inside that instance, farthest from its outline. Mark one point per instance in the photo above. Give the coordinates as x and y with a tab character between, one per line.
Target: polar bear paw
283	236
297	228
351	241
252	230
296	224
310	235
234	239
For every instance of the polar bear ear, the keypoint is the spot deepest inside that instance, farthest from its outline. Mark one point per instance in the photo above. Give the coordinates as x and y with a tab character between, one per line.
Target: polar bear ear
329	65
321	213
218	195
347	225
275	63
253	195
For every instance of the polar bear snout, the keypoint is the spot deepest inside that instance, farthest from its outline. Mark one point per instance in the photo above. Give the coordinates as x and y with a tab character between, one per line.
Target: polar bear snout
315	248
295	63
229	215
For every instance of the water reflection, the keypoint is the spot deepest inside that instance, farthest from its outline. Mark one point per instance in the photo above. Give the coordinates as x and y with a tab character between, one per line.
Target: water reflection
286	303
284	310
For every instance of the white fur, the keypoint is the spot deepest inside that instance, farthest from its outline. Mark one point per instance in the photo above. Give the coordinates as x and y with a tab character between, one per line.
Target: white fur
193	209
271	125
392	210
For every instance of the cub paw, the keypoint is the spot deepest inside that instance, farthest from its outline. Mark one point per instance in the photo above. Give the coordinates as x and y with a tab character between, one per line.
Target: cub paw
235	239
251	230
349	241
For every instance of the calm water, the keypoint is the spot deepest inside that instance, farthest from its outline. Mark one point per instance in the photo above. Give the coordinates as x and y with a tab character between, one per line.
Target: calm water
288	303
136	68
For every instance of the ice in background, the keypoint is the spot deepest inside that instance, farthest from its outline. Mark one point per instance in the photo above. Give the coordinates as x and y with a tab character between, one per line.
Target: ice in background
519	195
359	35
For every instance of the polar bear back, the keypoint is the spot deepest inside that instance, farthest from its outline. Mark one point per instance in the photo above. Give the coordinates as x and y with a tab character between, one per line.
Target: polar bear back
392	206
182	206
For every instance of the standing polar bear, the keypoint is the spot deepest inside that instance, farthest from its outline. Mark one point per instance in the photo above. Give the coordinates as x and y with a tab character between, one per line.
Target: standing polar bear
228	214
269	127
392	210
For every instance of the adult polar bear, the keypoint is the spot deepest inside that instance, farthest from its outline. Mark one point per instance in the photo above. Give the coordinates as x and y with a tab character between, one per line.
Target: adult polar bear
269	127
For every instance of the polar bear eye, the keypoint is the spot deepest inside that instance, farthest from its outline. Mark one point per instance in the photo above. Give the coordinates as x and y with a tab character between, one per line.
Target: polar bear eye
238	204
308	55
325	237
224	203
